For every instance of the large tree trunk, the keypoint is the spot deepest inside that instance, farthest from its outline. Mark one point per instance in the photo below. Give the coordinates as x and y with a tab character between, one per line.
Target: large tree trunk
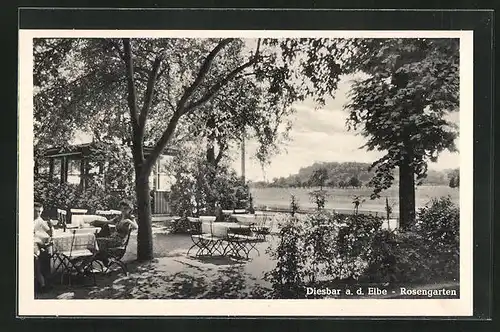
144	234
211	141
406	193
210	199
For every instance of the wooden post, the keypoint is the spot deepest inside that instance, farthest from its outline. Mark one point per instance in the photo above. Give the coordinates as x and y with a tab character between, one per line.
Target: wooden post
51	169
86	170
63	164
82	174
66	168
157	187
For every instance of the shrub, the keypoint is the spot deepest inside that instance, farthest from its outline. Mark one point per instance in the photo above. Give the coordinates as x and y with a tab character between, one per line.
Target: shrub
287	278
294	205
395	258
429	252
353	243
318	197
438	225
323	246
320	231
183	226
54	195
198	186
341	248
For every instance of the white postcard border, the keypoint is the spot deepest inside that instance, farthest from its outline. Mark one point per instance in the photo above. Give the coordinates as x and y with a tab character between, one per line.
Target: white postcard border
28	306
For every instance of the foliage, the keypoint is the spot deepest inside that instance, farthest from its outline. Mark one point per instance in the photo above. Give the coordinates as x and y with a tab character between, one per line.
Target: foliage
66	196
323	246
319	197
294	205
199	186
329	247
118	170
438	225
405	88
357	201
429	252
182	226
319	177
339	175
287	277
54	195
141	91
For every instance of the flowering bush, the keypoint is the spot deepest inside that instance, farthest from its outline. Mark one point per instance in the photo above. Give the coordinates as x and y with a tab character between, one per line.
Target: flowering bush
287	277
54	195
334	247
323	246
198	186
319	198
101	191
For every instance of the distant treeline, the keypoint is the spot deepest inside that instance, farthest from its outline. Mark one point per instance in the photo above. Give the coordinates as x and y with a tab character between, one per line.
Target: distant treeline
344	175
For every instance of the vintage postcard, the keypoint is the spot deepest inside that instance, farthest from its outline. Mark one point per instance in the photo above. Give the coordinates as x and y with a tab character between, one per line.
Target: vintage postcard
245	173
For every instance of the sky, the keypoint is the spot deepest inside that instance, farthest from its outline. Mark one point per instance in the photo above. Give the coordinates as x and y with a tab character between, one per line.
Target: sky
317	135
320	135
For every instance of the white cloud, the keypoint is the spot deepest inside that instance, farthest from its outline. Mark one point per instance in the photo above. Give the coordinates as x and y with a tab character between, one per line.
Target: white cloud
320	134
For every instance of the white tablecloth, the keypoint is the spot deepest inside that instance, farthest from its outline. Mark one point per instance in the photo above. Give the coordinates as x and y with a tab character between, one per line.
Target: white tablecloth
249	219
84	237
81	219
219	229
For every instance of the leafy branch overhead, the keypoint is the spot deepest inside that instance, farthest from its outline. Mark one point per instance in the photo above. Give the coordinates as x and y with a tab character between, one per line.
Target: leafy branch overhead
401	106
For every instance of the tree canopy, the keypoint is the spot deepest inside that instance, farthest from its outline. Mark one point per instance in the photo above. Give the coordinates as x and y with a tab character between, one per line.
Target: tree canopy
148	91
407	87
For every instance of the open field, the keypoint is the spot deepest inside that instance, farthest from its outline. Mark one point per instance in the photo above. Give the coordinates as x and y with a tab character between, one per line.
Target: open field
341	199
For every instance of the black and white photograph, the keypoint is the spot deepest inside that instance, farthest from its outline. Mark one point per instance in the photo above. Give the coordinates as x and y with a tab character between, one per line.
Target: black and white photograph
331	168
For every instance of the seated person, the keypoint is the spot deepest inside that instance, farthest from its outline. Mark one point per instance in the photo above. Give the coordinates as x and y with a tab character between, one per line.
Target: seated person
42	233
123	223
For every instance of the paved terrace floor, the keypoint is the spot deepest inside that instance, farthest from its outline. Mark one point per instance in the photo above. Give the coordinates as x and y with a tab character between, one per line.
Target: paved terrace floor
174	275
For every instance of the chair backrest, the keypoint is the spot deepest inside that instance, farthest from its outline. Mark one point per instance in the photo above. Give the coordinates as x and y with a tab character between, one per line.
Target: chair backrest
123	248
61	217
125	244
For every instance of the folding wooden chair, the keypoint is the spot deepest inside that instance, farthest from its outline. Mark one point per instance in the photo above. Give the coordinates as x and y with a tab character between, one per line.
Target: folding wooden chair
115	255
77	261
61	218
260	228
205	242
241	243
